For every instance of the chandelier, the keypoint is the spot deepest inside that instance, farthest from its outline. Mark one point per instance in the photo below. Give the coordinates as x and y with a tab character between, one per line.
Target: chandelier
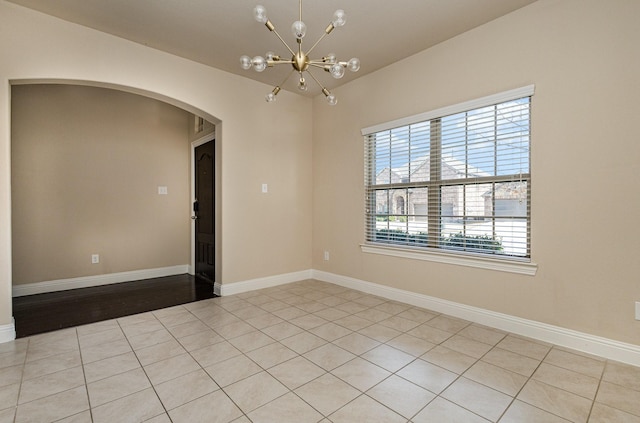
300	60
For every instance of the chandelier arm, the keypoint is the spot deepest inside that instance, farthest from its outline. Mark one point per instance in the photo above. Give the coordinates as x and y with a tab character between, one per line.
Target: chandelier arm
317	42
272	63
317	82
318	64
283	41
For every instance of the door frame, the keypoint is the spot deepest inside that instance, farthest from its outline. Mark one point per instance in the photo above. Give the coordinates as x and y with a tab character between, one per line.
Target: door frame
210	137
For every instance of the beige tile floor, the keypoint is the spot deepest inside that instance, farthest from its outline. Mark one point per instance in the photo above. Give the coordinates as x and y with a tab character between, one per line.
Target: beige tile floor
305	352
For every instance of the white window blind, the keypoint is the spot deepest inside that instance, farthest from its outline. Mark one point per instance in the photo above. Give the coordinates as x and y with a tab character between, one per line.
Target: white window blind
458	181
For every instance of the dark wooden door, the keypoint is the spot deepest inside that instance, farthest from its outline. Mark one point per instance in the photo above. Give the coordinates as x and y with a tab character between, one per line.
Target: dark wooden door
204	211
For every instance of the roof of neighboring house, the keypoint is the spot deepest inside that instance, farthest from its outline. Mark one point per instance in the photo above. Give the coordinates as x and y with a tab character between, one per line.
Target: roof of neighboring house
411	168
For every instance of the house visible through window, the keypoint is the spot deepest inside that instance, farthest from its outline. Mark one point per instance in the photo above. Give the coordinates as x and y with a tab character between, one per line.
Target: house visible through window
457	182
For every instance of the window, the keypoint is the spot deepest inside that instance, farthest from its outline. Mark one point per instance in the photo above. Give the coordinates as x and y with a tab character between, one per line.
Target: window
454	180
198	124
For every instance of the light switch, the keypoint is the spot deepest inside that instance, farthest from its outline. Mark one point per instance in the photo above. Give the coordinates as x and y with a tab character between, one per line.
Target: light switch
265	188
163	190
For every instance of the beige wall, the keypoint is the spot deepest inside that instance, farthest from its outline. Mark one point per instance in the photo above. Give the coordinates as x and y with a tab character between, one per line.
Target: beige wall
582	56
261	235
85	170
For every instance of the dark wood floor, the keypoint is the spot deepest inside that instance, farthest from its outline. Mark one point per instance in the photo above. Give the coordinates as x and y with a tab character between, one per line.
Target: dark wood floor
41	313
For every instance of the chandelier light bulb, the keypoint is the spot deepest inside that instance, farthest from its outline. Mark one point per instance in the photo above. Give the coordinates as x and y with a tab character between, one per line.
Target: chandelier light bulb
332	100
299	29
271	97
269	55
330	58
259	63
245	62
337	71
302	85
339	18
260	14
354	64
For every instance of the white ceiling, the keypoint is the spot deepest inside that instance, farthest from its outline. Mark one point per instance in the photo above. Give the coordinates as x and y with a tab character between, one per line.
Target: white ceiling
218	32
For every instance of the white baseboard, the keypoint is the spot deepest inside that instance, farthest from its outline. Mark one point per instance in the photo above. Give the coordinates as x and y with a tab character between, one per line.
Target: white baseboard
261	283
591	344
217	288
8	332
97	280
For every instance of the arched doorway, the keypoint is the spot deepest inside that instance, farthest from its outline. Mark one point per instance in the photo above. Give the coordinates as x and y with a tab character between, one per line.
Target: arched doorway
116	190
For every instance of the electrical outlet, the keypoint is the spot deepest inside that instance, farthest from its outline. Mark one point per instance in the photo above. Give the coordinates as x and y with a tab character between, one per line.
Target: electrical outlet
265	188
163	190
326	256
637	310
95	258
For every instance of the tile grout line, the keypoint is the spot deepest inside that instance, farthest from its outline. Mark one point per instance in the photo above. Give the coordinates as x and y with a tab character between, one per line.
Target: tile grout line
515	397
595	395
24	365
141	366
84	375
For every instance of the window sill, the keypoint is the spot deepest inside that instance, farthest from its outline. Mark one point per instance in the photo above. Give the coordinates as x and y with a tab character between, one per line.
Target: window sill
503	265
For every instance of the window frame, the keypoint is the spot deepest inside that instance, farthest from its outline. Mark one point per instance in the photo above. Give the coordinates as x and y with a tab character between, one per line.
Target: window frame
508	263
